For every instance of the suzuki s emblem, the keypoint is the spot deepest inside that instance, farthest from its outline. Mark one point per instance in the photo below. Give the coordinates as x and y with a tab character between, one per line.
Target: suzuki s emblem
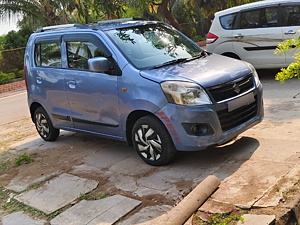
236	88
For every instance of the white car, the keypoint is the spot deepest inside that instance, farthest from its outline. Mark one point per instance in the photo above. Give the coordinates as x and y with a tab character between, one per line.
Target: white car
251	32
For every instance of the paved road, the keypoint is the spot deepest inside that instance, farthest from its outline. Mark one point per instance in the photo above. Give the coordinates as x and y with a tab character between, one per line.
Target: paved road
13	107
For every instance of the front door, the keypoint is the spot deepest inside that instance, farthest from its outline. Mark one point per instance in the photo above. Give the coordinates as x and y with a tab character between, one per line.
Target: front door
291	26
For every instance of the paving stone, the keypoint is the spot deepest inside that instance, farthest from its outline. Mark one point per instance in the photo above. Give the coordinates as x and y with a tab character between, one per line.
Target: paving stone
21	218
105	211
251	219
273	196
19	184
211	206
146	214
57	193
109	156
238	189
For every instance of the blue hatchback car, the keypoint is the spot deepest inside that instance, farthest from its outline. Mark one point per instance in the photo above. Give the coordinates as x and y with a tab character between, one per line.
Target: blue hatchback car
138	81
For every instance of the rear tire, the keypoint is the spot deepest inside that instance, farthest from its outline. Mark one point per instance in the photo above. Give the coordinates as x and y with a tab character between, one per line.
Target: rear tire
44	125
152	141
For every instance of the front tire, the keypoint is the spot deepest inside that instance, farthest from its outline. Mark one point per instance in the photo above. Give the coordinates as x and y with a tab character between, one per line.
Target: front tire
152	141
44	125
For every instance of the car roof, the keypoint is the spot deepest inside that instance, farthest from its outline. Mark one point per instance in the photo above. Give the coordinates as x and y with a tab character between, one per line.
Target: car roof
254	5
101	25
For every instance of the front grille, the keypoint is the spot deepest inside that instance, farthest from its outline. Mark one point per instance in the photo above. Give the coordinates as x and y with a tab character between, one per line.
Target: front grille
231	89
237	117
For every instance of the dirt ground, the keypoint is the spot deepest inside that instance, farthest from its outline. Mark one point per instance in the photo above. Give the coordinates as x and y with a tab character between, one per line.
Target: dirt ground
64	159
53	161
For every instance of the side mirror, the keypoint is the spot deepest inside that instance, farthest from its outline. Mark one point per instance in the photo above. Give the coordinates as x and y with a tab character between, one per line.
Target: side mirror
98	64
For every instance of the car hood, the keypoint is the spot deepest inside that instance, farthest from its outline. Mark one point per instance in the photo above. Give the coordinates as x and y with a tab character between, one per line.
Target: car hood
209	71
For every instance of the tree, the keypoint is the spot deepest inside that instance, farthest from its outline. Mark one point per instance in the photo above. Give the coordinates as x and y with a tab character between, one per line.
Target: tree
293	70
16	39
209	7
53	12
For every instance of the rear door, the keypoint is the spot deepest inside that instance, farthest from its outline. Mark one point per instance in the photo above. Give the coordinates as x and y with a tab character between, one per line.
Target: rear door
93	97
49	80
256	36
291	25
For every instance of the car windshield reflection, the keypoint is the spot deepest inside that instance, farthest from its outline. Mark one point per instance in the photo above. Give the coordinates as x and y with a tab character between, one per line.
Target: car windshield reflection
153	45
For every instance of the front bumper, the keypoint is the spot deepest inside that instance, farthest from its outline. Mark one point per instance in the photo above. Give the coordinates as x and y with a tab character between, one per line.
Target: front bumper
181	121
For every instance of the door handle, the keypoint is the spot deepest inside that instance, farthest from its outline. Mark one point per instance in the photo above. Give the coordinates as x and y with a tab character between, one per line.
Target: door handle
38	80
290	32
238	35
72	84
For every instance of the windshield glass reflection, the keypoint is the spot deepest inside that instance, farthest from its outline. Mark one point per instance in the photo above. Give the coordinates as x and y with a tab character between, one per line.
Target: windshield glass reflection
149	46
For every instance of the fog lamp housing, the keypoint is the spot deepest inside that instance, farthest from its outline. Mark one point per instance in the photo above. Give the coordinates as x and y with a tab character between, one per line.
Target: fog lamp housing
198	129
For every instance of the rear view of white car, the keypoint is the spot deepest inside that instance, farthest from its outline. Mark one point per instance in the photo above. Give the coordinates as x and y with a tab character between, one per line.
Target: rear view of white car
251	32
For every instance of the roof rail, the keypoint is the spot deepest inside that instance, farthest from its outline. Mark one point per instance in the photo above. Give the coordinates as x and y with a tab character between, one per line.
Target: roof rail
63	26
118	20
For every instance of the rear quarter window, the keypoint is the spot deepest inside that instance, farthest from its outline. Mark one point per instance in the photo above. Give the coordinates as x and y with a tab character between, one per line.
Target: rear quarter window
227	21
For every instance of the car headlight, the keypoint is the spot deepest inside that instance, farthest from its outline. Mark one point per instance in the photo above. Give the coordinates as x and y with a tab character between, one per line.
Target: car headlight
184	93
254	72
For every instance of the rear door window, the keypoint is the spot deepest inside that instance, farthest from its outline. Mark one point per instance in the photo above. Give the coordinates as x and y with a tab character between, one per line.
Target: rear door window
259	18
47	55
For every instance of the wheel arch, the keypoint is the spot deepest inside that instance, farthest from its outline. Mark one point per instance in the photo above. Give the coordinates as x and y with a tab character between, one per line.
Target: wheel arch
131	119
231	55
33	107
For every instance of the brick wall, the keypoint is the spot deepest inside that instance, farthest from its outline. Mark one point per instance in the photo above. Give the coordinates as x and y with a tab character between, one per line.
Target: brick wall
12	86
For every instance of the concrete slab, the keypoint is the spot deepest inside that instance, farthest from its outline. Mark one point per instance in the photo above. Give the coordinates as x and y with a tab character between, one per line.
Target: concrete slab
57	193
37	143
21	183
105	211
251	219
214	207
274	195
131	166
109	155
253	179
21	218
146	214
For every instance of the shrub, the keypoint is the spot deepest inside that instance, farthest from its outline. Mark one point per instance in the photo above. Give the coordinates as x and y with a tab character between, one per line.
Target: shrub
6	77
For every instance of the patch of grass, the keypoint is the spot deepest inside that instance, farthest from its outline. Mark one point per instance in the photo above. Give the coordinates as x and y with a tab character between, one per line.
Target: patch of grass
9	204
16	131
15	206
94	195
23	159
220	219
5	165
292	191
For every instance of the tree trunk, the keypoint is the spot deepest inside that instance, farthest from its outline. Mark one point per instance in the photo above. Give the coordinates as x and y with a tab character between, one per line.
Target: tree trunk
168	15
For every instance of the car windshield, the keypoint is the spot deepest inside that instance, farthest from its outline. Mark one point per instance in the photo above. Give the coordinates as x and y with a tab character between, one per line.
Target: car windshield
154	45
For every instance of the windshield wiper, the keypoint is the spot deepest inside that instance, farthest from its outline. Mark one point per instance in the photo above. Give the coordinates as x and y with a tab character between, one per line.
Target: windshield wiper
171	62
202	54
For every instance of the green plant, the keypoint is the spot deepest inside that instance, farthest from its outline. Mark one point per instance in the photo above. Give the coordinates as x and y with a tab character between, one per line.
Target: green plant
198	38
293	70
6	77
221	219
5	165
23	159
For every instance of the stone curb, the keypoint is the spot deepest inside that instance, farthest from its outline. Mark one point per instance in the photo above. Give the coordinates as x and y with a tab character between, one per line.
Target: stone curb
183	211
